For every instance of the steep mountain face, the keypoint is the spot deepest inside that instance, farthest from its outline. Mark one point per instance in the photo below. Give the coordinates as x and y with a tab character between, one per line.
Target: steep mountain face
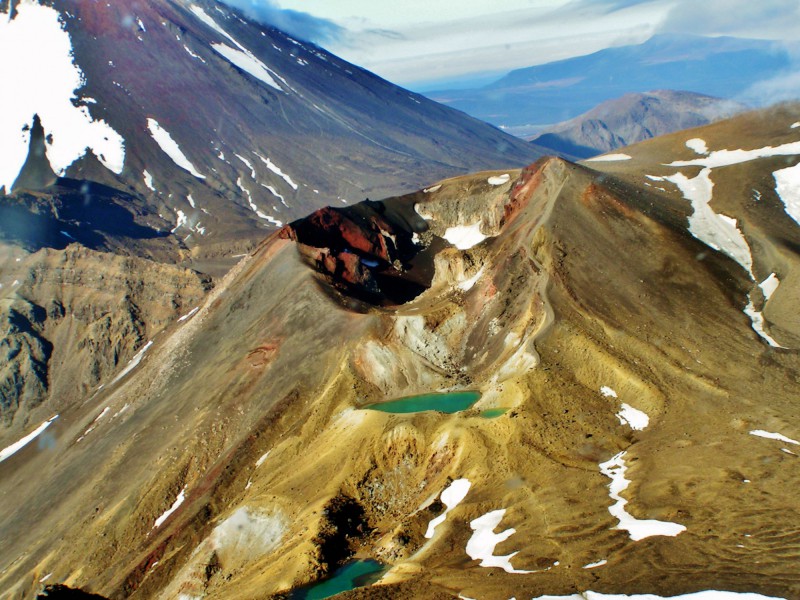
628	323
223	128
562	90
631	119
72	319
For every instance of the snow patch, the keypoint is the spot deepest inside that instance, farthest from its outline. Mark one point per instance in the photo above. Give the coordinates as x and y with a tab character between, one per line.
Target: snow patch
171	148
264	457
483	542
248	163
46	81
275	193
757	323
464	237
94	423
240	56
698	145
635	418
608	392
468	284
726	158
774	436
717	231
193	55
638	529
451	497
190	200
148	181
432	189
499	179
182	220
769	285
175	506
593	565
275	169
787	186
20	444
189	314
269	218
609	158
134	362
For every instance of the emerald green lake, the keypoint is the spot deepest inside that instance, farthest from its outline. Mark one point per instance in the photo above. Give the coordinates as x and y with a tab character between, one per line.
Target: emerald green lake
450	402
493	413
349	577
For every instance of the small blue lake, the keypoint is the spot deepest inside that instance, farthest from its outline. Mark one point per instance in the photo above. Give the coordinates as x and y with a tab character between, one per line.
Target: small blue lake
451	402
493	413
353	575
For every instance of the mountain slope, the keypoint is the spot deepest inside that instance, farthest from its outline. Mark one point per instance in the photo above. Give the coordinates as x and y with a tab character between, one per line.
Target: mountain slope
562	90
224	127
648	439
633	118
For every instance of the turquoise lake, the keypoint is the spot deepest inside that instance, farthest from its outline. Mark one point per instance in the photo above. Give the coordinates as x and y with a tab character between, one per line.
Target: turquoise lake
451	402
349	577
493	413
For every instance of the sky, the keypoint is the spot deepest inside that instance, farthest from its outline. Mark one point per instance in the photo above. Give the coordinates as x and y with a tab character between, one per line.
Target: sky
425	44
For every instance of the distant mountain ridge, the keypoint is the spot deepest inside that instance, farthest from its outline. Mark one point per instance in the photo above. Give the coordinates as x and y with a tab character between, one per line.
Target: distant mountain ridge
555	92
633	118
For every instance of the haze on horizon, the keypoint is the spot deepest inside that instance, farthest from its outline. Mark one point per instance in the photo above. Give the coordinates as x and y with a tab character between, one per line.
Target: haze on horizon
461	43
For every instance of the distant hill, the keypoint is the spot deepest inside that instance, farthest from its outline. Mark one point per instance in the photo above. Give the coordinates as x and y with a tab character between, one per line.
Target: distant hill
551	93
633	118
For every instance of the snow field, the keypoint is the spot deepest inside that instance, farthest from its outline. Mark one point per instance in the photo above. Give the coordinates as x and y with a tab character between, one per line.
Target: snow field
9	451
451	497
46	82
464	237
638	529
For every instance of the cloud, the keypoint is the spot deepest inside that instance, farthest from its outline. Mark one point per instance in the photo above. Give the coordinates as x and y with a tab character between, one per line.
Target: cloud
298	24
773	19
603	6
778	89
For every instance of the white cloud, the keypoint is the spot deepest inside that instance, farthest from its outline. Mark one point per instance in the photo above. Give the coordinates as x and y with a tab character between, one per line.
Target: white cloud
448	39
768	19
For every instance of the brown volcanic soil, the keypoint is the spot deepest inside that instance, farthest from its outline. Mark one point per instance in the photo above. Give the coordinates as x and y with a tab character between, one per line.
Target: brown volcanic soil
587	280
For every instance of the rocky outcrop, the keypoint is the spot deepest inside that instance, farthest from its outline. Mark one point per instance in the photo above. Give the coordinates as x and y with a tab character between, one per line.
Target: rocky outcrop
24	357
36	173
365	252
76	317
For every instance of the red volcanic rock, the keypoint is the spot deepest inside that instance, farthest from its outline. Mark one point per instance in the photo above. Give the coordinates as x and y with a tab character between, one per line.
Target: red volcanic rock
263	355
352	272
523	189
329	223
287	233
329	263
362	252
